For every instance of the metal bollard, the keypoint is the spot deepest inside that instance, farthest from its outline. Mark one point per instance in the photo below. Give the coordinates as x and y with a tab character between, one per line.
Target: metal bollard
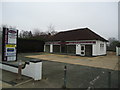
109	79
65	79
19	70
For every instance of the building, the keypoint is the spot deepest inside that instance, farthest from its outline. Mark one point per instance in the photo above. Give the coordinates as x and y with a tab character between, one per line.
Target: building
118	49
83	42
0	42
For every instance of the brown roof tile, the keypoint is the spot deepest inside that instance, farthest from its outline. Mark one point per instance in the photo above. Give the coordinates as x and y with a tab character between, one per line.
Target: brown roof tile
77	34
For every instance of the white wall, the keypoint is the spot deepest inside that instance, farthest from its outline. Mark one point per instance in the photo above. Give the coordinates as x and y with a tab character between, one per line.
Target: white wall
117	51
96	48
51	48
78	49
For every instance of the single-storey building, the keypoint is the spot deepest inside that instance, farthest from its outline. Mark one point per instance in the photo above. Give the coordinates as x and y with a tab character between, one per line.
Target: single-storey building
118	50
83	42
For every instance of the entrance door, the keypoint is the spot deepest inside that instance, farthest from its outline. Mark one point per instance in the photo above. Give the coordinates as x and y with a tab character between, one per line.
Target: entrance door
88	50
82	50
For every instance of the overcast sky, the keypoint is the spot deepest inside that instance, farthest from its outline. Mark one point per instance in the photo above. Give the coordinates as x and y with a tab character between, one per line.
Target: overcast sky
101	17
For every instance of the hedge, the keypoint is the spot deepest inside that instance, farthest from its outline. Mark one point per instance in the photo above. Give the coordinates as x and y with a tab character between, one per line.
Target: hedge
30	45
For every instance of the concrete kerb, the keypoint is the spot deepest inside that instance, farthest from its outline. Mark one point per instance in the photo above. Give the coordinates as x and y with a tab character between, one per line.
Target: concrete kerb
23	82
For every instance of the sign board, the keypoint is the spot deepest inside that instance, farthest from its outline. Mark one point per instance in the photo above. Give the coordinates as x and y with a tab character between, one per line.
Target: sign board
9	44
77	42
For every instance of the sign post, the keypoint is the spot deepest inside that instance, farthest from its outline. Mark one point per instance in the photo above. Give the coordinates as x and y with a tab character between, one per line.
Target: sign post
9	44
65	78
19	70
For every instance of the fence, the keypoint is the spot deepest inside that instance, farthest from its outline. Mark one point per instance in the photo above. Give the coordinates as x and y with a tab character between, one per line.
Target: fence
103	79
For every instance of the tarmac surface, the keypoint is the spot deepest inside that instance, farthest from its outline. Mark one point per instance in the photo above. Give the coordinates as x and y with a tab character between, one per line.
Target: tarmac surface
108	62
77	76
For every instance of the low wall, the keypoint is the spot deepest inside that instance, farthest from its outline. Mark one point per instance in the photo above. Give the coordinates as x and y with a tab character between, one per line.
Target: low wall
32	69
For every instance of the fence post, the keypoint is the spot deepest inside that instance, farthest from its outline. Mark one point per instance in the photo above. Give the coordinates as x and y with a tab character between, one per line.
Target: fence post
109	79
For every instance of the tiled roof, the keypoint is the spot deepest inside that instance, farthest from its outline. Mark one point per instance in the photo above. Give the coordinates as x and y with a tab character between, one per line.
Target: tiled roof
77	34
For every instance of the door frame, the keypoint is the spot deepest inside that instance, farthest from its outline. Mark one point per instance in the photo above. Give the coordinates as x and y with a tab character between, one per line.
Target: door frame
89	49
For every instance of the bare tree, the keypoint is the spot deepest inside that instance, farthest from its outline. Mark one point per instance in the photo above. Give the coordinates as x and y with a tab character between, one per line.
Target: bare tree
21	33
5	25
30	34
51	30
37	32
113	42
111	39
25	34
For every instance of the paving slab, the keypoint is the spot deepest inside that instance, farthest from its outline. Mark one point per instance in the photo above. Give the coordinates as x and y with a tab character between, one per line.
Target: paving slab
5	85
9	79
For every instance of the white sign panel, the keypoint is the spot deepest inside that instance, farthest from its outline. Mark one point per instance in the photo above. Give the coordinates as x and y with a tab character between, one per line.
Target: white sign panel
12	35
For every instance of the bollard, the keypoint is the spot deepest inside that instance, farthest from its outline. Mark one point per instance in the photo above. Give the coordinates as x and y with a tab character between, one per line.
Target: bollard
118	79
19	70
109	79
65	79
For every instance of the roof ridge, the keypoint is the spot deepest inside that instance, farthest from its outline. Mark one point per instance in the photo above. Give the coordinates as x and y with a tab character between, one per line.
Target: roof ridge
73	30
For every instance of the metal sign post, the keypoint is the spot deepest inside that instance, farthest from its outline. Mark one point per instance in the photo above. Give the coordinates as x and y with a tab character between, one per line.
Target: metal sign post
65	79
109	79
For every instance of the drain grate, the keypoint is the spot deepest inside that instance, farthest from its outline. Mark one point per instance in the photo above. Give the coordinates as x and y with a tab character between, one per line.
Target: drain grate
12	83
16	82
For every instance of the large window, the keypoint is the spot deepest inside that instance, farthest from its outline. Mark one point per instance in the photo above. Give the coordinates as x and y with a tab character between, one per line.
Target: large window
56	48
47	48
71	49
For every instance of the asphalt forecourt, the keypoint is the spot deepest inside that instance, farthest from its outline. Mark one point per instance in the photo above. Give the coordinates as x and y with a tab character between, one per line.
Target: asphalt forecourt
108	62
77	76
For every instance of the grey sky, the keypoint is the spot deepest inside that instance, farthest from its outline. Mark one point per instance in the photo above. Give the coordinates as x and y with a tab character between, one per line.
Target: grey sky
101	17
